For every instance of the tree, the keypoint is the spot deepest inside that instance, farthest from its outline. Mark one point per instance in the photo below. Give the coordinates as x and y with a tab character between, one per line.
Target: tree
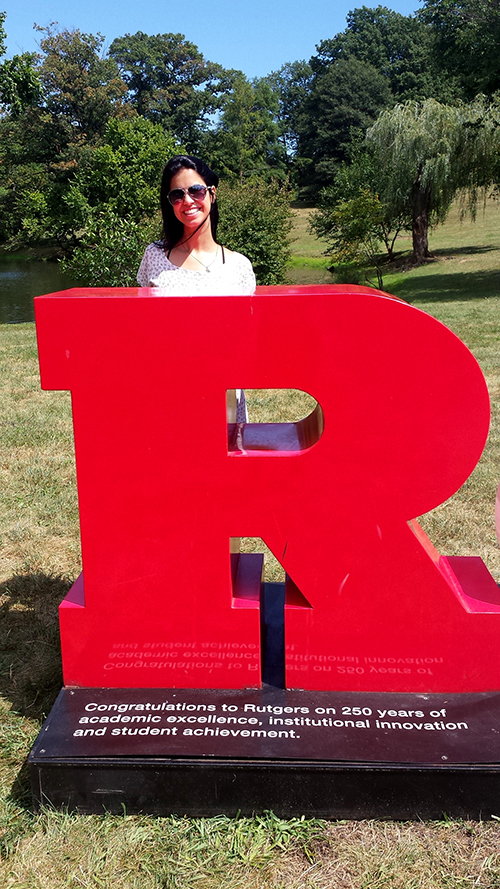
169	82
354	231
19	83
416	159
114	201
120	178
352	215
480	152
343	102
433	151
80	88
122	174
399	47
467	34
291	84
246	141
42	147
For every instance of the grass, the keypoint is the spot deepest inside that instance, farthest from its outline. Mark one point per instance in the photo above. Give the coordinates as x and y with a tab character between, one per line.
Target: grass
460	286
56	850
465	264
308	264
39	554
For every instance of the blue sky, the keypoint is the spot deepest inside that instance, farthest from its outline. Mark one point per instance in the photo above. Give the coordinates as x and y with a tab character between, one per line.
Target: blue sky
256	36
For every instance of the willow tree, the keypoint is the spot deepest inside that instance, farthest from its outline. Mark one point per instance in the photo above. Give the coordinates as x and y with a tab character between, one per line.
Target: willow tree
434	152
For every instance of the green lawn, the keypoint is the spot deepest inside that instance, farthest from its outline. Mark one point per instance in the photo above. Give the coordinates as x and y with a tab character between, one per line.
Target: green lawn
308	264
39	554
465	263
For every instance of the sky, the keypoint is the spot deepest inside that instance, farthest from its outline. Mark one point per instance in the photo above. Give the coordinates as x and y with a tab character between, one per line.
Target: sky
256	37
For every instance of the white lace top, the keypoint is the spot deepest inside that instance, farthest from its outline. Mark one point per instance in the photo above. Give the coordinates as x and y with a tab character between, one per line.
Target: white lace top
235	277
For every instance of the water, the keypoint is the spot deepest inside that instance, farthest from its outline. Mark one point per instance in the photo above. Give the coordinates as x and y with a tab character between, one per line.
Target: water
23	279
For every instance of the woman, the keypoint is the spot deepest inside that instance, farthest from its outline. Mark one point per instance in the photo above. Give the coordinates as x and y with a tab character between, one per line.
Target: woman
189	260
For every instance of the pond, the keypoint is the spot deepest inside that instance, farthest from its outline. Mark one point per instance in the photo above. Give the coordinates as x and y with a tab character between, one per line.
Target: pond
22	279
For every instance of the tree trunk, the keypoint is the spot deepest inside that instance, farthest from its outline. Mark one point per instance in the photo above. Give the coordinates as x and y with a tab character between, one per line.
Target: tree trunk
420	225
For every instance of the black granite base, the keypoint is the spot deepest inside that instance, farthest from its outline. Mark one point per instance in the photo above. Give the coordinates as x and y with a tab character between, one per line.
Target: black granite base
323	754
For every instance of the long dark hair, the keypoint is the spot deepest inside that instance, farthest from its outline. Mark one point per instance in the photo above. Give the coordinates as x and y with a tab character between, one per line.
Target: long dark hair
173	229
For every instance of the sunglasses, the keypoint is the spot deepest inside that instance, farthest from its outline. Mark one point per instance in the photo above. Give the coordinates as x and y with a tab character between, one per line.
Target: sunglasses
197	192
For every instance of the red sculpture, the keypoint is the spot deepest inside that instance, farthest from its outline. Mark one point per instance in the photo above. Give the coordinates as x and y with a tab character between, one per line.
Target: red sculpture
497	514
163	484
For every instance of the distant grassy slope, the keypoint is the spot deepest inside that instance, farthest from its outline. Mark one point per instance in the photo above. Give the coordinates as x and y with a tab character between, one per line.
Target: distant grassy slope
465	264
308	265
466	261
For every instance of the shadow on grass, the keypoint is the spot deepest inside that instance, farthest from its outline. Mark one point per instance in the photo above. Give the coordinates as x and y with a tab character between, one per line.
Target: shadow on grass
468	250
404	256
30	666
444	287
30	654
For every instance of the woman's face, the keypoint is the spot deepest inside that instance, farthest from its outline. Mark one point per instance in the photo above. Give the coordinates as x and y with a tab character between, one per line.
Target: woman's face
190	211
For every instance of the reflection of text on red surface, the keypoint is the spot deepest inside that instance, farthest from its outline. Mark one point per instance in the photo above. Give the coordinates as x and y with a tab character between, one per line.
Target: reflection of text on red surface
192	656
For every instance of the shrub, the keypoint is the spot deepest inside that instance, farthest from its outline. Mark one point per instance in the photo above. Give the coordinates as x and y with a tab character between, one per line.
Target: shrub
256	220
111	250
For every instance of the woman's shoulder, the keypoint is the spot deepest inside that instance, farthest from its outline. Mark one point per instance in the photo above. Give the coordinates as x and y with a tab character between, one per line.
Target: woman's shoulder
155	249
154	262
233	257
238	262
239	270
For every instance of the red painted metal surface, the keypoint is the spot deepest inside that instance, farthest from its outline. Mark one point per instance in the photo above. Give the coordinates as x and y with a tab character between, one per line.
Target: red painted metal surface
497	514
370	604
